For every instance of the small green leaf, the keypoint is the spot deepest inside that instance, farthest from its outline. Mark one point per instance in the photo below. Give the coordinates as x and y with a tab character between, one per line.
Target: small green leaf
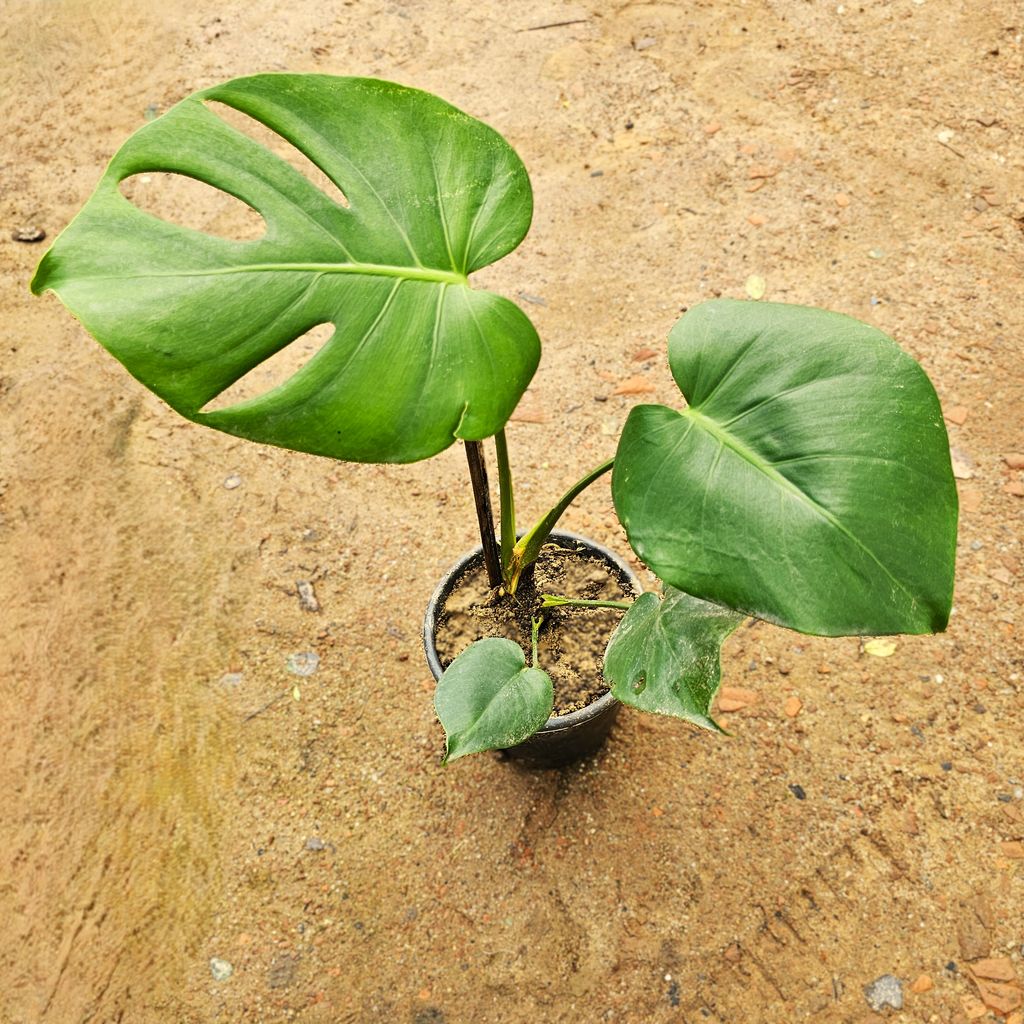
664	655
418	358
808	482
488	699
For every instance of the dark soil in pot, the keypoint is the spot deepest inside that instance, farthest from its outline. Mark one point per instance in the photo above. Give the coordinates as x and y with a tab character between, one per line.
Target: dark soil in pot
572	641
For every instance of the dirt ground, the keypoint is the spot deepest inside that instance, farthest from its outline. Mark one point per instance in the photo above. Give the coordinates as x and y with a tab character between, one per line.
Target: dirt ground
168	800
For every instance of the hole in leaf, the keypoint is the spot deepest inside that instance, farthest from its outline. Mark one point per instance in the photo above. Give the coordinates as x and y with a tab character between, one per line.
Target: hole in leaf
272	372
190	203
280	147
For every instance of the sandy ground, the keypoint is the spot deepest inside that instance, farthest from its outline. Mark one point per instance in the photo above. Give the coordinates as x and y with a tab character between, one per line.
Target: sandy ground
866	157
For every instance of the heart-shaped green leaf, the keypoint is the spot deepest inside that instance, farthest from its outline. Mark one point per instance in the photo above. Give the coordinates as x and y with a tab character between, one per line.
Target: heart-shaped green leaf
664	655
807	483
417	359
488	699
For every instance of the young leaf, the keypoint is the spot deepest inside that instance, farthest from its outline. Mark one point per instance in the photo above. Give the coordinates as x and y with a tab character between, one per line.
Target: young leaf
807	483
664	655
417	359
488	699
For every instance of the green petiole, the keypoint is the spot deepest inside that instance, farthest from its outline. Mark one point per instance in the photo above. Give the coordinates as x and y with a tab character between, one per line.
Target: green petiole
528	547
553	601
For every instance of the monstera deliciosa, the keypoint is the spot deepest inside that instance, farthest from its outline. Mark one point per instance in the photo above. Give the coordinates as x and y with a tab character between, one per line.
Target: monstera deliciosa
417	359
804	477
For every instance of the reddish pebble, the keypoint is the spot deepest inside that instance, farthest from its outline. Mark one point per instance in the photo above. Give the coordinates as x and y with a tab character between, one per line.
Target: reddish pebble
842	200
958	415
633	386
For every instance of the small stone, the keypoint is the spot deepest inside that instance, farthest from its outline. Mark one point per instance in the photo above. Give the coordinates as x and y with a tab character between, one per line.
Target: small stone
1012	849
734	698
756	220
641	355
28	233
645	43
756	286
307	596
876	254
712	128
957	415
963	464
792	707
231	482
1014	460
315	843
883	992
759	171
303	663
880	648
634	386
922	984
798	791
282	970
842	200
1015	487
221	969
995	968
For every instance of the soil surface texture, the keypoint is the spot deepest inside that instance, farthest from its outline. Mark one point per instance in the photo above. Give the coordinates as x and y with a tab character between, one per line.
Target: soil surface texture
570	642
222	797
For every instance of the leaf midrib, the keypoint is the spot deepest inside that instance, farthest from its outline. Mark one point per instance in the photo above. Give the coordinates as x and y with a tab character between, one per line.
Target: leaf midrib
364	269
730	441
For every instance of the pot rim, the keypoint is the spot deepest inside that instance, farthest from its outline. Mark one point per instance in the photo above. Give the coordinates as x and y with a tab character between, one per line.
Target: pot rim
556	723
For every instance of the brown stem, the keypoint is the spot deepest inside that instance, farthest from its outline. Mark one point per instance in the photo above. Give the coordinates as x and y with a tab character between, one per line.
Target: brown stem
484	517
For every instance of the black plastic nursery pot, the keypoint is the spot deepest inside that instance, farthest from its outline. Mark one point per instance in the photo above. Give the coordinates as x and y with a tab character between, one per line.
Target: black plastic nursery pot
563	738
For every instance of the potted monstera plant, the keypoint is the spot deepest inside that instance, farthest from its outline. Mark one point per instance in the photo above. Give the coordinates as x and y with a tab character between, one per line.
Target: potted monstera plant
803	477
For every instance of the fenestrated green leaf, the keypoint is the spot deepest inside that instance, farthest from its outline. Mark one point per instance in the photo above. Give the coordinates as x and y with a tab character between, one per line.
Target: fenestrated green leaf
664	655
488	699
807	483
417	359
